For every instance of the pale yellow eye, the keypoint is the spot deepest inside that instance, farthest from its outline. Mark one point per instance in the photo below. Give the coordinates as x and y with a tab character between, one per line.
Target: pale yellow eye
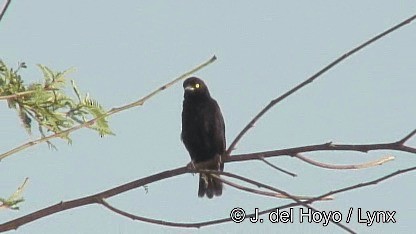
197	86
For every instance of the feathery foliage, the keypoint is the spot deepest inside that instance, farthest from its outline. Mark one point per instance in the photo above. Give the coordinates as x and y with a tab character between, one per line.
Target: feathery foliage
47	103
16	198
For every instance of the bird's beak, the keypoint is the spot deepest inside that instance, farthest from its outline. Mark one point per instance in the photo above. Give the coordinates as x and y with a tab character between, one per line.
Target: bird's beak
189	88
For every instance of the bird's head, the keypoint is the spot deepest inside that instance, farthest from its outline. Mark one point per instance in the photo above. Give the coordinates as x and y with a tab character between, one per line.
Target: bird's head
195	87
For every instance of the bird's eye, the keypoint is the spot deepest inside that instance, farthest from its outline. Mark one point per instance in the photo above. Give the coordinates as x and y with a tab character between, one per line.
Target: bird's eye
197	86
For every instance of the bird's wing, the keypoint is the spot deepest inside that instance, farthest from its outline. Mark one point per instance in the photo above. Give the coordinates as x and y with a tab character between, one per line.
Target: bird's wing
217	128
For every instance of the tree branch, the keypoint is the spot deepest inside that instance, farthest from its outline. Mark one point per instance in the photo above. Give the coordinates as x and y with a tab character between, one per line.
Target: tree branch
96	198
110	112
14	224
192	225
312	78
144	219
276	167
360	185
290	205
16	95
406	138
346	167
274	194
322	147
3	11
261	185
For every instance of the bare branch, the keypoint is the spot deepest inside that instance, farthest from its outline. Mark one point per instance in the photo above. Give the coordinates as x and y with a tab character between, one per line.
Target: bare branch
373	163
13	224
198	225
406	138
110	112
250	190
321	147
312	78
261	185
373	182
264	193
3	11
96	198
147	220
277	168
192	225
161	222
360	185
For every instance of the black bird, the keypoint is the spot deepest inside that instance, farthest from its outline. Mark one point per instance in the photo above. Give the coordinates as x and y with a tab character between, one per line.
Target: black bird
203	133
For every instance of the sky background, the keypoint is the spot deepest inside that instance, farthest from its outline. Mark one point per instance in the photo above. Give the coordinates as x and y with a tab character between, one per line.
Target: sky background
123	51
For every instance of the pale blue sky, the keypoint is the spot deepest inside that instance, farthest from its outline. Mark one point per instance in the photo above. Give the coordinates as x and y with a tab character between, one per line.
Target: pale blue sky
122	51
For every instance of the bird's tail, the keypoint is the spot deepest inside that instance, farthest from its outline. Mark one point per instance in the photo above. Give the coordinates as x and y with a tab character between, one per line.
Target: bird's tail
208	185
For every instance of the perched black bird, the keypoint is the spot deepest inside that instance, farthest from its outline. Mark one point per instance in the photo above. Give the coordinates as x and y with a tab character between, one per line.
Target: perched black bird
203	133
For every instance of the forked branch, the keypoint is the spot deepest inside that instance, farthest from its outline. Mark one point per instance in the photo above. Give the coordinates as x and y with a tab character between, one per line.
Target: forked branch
312	78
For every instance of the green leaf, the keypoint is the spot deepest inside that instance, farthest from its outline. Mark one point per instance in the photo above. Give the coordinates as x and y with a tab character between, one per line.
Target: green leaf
49	105
16	198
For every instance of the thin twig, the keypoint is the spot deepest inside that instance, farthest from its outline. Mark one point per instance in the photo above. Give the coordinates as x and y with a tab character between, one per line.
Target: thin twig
250	190
312	78
373	163
361	185
16	95
3	11
406	138
110	112
277	168
265	193
144	219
